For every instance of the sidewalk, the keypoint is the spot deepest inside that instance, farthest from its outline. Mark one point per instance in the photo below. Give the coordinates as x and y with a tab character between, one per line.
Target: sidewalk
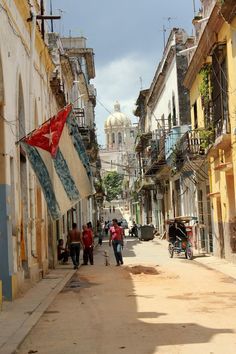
211	262
218	264
20	316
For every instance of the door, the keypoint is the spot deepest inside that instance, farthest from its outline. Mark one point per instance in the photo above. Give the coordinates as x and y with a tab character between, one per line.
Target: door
220	229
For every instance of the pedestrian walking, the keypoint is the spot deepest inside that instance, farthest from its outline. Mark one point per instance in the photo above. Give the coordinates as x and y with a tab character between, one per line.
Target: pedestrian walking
116	240
99	231
75	242
87	237
106	227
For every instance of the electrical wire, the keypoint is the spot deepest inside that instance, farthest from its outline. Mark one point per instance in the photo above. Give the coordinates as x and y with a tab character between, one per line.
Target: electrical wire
2	8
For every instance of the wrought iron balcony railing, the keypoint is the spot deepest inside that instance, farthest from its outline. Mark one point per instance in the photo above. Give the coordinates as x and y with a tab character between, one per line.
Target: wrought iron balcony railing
157	156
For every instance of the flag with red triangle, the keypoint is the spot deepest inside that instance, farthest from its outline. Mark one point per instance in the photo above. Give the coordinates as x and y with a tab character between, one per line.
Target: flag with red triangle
58	157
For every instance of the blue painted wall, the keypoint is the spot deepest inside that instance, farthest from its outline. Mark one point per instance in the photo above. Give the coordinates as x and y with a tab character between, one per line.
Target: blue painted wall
6	251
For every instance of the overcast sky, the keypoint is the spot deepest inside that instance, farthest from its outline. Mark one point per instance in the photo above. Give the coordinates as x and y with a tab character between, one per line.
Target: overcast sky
127	39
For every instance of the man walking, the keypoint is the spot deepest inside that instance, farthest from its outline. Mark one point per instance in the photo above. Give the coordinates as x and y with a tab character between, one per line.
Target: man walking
116	239
75	242
87	237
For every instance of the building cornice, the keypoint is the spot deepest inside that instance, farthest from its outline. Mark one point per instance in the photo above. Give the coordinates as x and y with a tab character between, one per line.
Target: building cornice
88	54
160	76
228	10
205	45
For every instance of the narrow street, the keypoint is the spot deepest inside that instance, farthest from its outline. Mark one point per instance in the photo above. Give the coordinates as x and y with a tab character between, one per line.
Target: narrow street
152	304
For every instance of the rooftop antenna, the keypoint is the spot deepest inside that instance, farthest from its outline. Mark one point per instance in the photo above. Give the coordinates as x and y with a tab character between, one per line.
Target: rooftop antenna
141	82
194	7
51	15
169	19
164	29
61	24
43	17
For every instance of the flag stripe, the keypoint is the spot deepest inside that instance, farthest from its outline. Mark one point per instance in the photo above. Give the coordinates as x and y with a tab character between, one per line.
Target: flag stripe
78	142
66	179
42	174
75	164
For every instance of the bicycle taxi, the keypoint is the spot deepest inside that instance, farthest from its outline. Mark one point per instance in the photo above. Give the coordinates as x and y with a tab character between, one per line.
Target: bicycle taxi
179	236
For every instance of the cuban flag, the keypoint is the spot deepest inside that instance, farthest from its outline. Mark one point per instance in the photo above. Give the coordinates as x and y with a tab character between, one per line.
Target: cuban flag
58	157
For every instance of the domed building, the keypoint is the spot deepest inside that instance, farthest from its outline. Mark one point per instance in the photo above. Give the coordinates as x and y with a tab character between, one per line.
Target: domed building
120	138
117	129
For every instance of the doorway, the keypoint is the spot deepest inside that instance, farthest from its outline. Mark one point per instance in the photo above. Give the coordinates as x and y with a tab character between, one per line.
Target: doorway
220	228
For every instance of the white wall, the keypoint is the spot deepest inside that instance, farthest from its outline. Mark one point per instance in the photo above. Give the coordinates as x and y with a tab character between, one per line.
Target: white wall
164	103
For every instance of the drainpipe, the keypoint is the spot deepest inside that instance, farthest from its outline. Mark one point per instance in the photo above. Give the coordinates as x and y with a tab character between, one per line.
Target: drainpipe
31	127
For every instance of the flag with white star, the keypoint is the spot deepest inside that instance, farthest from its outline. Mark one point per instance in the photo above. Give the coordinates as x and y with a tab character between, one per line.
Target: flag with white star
58	157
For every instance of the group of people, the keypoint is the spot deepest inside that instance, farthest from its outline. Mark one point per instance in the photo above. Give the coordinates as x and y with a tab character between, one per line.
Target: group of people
75	241
85	240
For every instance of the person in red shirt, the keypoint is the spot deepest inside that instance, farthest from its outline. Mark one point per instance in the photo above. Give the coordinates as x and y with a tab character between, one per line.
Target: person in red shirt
87	237
116	240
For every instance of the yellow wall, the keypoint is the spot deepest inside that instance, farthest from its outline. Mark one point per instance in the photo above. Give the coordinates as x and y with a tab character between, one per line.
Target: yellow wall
220	180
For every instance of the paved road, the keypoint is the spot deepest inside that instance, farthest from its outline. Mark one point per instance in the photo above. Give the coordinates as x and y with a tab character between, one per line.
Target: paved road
151	305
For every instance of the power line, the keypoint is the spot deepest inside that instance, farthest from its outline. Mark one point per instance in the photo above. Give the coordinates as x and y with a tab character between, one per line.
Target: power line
2	8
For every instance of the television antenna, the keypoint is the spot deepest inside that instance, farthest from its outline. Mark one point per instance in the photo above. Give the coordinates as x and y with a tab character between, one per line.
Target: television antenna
169	19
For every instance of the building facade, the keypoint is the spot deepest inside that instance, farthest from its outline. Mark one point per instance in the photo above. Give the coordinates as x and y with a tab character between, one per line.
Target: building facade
120	136
164	117
211	81
37	79
118	155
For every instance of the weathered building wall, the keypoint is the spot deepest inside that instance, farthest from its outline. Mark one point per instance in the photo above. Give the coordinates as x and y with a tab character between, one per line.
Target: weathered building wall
24	107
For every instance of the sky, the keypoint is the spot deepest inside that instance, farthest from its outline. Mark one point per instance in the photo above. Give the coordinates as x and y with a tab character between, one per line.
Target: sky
127	38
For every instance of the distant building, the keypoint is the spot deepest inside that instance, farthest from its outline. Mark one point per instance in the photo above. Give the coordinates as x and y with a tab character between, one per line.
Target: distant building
120	138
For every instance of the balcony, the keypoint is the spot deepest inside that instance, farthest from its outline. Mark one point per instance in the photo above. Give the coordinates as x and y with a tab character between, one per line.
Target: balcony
172	142
222	134
194	143
144	183
157	158
142	141
80	116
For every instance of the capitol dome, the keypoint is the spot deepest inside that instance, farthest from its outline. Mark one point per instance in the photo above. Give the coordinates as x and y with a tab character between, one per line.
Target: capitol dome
117	119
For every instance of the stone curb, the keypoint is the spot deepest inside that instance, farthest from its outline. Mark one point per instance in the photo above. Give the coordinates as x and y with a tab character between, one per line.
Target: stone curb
13	343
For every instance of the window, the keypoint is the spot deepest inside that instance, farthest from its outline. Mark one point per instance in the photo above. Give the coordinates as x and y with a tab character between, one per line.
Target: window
163	121
169	121
195	120
132	134
174	120
119	138
220	90
113	138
